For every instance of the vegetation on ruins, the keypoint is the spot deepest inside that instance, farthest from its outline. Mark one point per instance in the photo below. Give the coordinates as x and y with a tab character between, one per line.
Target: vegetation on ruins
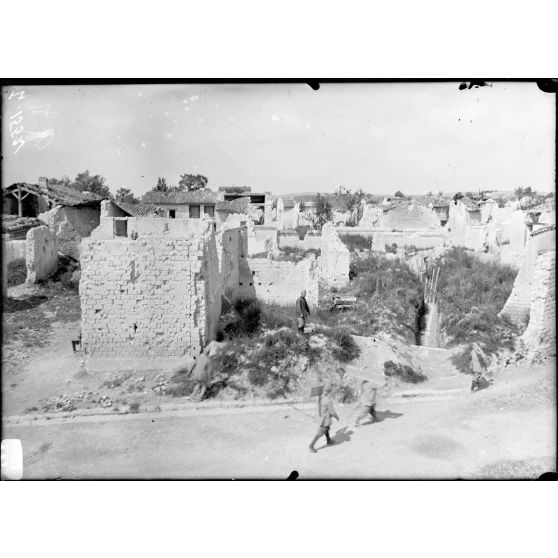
263	354
470	294
346	200
16	272
323	211
389	298
404	372
356	241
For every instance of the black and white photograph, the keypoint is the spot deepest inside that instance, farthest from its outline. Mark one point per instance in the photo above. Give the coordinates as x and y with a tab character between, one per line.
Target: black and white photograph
279	279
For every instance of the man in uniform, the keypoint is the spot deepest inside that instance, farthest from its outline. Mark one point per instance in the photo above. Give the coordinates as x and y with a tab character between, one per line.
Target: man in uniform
326	412
367	406
302	311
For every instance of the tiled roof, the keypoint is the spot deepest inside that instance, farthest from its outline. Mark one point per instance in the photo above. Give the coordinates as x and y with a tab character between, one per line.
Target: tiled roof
13	224
139	209
62	195
240	205
197	196
543	230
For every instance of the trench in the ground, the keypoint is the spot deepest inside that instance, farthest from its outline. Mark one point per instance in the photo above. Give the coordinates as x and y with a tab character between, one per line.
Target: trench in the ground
427	327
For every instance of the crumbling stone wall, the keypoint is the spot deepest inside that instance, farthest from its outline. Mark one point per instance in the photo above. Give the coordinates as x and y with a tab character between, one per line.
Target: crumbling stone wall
540	334
518	305
261	238
70	225
419	239
371	216
41	254
335	258
279	282
409	216
290	239
13	249
155	293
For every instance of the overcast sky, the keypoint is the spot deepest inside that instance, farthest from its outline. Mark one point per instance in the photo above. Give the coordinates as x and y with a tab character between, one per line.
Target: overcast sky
287	137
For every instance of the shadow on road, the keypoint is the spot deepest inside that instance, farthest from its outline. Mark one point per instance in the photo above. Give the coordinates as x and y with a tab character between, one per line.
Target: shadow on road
382	415
342	435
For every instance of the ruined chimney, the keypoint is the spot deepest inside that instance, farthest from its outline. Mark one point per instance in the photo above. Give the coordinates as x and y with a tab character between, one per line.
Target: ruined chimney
43	184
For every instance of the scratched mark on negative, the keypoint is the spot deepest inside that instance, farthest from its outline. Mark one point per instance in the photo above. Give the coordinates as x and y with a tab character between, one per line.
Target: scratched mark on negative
41	137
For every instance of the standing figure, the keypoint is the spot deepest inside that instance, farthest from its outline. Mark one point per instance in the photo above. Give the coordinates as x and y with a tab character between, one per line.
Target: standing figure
326	412
302	311
479	363
201	374
367	403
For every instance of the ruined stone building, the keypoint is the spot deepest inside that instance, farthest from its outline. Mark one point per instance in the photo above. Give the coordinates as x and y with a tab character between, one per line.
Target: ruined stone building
532	302
185	205
152	289
70	214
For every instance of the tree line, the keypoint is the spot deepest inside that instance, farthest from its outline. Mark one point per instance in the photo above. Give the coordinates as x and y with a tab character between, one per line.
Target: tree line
95	183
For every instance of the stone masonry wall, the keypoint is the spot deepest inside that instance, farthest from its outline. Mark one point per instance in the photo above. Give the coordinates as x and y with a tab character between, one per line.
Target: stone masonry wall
290	239
518	305
143	298
14	250
402	239
279	282
409	216
334	259
41	254
541	331
70	225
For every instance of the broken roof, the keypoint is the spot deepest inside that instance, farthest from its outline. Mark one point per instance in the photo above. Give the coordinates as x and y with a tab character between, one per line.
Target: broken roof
196	196
239	205
138	209
59	194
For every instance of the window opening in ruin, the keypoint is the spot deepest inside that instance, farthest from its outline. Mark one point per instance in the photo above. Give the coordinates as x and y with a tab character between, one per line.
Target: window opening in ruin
172	213
209	210
120	228
194	211
253	273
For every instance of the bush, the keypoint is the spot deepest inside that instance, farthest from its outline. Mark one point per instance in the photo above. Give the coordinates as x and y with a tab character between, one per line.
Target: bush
471	293
404	372
345	348
16	272
356	242
275	316
243	320
391	249
293	254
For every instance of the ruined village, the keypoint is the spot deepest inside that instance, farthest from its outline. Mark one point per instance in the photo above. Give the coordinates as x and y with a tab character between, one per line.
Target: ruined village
108	304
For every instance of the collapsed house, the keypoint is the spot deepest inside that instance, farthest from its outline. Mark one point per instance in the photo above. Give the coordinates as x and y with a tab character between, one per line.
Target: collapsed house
70	214
532	302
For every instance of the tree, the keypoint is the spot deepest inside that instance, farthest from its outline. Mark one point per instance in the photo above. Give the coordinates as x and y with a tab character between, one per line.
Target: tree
235	189
192	182
125	195
522	192
440	193
84	182
429	193
399	194
161	185
64	181
349	200
323	211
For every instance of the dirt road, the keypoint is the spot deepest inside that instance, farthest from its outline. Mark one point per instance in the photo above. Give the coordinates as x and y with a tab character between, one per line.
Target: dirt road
464	436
